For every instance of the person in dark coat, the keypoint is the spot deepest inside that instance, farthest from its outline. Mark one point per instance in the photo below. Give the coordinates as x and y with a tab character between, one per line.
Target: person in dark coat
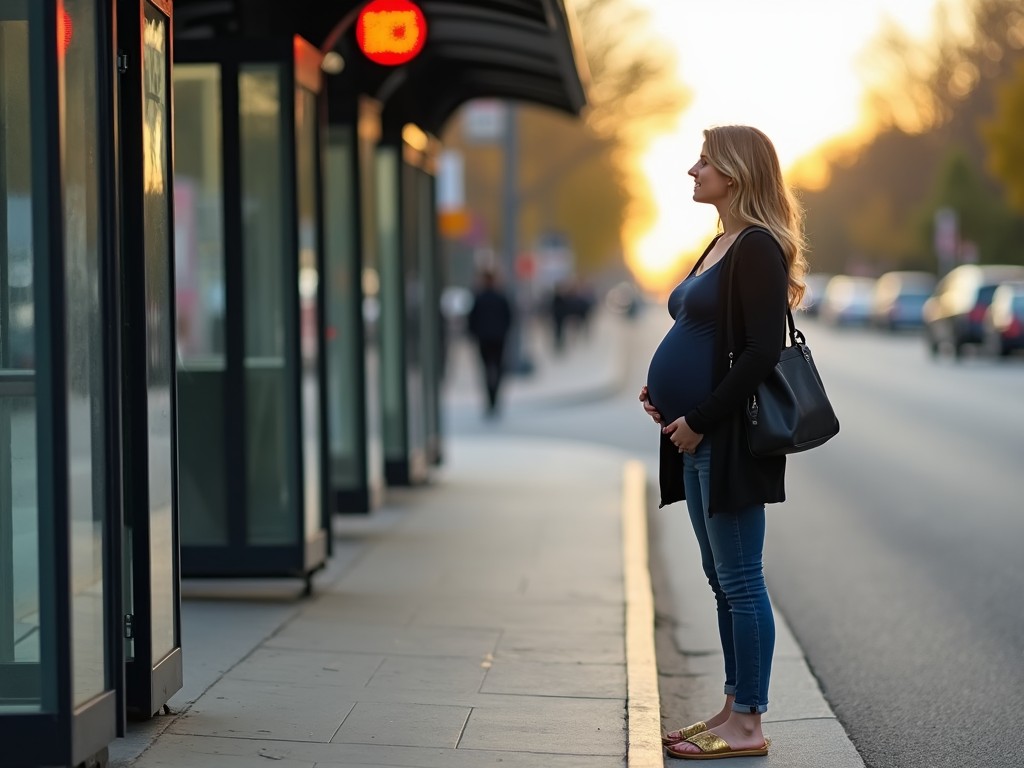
561	311
696	389
489	322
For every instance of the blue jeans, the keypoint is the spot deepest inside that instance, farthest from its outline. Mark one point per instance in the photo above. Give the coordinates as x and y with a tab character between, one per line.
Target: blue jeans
731	545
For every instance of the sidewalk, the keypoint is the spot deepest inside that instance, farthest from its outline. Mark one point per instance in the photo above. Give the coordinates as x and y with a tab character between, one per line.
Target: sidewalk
475	622
500	616
479	620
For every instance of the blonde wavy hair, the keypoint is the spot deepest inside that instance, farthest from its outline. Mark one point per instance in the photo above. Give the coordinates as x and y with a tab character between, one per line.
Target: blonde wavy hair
761	197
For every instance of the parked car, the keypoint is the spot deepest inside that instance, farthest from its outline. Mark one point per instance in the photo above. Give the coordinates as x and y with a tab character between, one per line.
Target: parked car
899	299
954	313
1004	320
847	300
814	283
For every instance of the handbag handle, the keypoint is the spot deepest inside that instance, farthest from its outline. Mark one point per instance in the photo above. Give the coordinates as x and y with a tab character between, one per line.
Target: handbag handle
795	336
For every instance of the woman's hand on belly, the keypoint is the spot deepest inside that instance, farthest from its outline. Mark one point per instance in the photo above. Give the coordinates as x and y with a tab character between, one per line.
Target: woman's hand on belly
651	410
682	437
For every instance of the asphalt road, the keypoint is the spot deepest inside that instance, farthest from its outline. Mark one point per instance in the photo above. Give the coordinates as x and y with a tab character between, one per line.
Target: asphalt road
898	559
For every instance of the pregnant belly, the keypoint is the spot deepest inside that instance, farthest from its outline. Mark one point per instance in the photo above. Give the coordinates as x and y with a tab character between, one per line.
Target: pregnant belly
679	377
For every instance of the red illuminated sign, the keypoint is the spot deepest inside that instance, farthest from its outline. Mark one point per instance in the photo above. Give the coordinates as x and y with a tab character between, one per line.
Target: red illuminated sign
65	29
391	32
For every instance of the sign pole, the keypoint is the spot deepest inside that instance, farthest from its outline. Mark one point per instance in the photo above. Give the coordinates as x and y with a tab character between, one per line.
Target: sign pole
516	359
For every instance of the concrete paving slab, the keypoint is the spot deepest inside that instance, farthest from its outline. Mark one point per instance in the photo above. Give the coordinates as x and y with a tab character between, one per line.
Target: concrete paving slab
304	634
394	611
422	673
470	758
798	697
483	577
786	646
539	724
554	584
696	630
196	752
519	612
807	744
418	572
595	681
575	645
351	607
262	710
403	725
276	665
174	751
216	633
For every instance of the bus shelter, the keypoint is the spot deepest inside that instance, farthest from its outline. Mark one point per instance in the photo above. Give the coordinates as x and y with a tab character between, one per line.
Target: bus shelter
180	331
89	619
526	51
248	291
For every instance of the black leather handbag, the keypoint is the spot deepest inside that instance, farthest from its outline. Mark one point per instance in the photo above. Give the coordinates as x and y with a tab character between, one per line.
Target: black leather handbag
790	411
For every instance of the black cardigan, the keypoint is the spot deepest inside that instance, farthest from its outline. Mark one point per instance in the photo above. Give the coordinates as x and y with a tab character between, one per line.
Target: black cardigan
759	302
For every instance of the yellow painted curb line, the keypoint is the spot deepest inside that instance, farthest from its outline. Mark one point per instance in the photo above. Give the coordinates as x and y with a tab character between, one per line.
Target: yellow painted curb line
643	706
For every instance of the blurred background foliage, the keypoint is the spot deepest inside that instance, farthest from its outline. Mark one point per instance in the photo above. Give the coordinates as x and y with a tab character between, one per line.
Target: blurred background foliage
947	131
944	128
578	177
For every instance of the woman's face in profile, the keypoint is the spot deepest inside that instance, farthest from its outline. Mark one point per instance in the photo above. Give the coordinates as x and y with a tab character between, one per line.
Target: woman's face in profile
709	184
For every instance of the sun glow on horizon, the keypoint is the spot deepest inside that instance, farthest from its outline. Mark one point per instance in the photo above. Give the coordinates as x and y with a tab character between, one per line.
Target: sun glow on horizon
791	68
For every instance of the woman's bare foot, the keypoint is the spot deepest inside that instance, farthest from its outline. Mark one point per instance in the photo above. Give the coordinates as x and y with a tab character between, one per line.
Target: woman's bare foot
739	731
712	722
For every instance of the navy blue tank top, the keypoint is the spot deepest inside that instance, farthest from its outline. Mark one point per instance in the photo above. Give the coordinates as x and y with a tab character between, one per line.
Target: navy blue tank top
680	376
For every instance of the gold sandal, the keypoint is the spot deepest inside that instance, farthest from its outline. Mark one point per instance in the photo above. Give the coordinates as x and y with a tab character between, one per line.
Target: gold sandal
713	747
684	733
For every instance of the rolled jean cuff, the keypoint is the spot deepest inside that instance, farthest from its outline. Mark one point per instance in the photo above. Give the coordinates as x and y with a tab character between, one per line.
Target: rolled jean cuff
749	709
730	690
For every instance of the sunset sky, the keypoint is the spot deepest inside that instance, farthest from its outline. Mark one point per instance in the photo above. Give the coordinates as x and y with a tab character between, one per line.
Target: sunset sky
794	68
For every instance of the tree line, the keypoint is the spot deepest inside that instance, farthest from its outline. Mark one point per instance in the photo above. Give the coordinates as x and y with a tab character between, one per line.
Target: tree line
949	133
576	176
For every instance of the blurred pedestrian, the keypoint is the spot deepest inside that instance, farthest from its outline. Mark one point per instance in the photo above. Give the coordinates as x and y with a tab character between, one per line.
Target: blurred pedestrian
561	310
696	389
489	322
583	300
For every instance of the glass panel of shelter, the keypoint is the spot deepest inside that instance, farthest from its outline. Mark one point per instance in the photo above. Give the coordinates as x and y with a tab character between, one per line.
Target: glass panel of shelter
413	307
150	595
160	336
341	345
261	389
20	680
430	332
266	242
307	156
84	348
200	294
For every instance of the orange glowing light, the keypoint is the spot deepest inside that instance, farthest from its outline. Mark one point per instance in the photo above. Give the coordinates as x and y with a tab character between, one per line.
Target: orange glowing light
454	224
391	32
65	29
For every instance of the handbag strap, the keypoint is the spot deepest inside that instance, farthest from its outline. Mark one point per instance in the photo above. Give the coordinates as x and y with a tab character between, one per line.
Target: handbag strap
794	335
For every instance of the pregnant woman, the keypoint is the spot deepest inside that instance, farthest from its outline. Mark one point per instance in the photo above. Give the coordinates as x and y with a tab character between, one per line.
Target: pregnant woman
696	389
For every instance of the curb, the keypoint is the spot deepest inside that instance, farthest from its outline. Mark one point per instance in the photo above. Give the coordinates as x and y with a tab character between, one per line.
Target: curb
643	706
